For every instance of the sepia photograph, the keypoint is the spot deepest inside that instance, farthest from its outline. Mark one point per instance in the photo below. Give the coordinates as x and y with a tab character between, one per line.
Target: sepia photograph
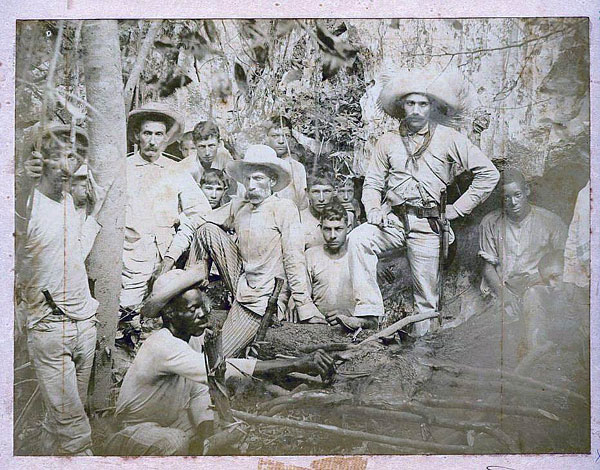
302	237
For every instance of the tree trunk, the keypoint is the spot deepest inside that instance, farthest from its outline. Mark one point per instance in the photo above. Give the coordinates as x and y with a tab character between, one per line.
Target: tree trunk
108	146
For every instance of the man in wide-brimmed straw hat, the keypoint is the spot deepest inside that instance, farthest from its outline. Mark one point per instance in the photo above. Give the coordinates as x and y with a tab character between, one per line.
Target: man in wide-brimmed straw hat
158	190
53	286
164	402
405	185
270	244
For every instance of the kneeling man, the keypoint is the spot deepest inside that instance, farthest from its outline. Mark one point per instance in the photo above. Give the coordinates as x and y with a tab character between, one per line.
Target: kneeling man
164	401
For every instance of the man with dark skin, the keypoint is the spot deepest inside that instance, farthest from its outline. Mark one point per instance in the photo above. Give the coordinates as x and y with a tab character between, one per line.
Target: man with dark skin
164	402
513	240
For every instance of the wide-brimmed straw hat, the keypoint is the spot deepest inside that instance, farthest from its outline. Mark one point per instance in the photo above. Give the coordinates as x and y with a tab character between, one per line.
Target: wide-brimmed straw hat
261	155
160	112
57	129
444	87
166	287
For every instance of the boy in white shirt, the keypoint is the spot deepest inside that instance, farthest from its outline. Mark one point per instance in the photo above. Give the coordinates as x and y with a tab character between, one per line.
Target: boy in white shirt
329	272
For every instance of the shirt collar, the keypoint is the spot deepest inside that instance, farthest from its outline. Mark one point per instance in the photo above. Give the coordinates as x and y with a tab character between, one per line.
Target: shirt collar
522	222
139	161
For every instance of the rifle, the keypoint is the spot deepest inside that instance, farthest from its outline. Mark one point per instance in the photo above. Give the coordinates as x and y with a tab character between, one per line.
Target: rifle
265	321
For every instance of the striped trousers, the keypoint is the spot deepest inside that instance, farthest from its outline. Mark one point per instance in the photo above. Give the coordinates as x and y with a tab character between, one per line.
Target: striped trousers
212	242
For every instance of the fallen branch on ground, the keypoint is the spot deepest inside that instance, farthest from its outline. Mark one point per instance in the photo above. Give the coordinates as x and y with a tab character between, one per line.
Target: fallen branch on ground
352	434
424	416
24	366
501	375
390	330
497	386
478	406
306	398
327	347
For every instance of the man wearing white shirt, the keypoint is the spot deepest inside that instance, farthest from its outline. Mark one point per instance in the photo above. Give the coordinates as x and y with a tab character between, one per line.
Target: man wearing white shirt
158	190
53	283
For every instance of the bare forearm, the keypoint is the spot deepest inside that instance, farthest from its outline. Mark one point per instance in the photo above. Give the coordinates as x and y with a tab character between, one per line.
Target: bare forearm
492	278
276	367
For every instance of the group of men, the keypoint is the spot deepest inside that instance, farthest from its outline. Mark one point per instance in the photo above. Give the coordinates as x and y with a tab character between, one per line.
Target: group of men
254	220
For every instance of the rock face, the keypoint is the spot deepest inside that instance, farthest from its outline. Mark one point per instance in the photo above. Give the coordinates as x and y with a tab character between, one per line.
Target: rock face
530	75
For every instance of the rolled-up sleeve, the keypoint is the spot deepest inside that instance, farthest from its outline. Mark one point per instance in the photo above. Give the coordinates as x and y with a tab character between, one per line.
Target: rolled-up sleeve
488	243
292	244
485	174
376	176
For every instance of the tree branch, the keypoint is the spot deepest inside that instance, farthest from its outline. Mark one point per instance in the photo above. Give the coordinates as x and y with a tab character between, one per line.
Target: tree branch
139	62
352	434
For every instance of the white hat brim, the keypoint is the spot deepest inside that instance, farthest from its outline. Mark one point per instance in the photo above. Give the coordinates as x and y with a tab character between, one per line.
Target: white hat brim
235	169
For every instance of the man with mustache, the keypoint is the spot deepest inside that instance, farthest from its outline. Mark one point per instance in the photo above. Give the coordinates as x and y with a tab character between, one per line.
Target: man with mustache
513	240
270	244
53	285
158	190
403	188
164	402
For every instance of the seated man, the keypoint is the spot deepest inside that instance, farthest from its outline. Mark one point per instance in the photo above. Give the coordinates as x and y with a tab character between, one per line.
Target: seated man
269	244
320	192
163	404
329	272
513	240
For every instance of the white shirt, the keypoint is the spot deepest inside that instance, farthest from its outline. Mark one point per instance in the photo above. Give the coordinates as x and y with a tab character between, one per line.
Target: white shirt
54	259
166	370
156	193
330	281
312	229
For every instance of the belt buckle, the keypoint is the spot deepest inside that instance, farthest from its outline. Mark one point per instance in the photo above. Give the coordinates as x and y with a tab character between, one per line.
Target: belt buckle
421	212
